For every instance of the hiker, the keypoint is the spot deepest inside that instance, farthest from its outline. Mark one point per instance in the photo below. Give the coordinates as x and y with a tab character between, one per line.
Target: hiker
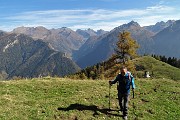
125	80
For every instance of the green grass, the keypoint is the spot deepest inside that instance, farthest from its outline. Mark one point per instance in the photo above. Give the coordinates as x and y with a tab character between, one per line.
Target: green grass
160	69
65	99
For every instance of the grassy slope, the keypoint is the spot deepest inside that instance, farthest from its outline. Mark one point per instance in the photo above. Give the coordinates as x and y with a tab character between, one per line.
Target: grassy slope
65	99
160	69
146	63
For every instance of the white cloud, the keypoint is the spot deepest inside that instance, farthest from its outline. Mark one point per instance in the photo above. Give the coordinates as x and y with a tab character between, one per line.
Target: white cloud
92	18
75	15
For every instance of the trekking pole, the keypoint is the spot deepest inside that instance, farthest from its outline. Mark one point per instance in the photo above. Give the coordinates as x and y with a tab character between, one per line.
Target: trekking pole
134	106
133	93
109	96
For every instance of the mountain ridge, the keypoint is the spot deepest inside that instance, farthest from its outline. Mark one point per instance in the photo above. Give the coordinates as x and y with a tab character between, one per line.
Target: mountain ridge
90	33
104	47
96	46
22	56
61	39
159	26
167	41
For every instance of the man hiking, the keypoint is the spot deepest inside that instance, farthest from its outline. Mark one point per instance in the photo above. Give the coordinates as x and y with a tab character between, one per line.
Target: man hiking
125	80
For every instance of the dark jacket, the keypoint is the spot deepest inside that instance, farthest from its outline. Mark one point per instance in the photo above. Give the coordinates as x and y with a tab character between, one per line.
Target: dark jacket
124	83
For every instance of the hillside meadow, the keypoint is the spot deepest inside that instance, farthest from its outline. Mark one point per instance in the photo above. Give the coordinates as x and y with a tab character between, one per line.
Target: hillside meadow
65	99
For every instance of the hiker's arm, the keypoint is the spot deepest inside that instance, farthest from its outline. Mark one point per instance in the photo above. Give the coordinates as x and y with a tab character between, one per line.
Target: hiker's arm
132	82
113	81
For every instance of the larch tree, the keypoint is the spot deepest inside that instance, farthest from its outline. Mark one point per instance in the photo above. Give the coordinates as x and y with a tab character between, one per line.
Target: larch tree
125	50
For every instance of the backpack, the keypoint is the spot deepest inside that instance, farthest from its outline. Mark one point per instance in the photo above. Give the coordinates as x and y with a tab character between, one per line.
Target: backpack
129	75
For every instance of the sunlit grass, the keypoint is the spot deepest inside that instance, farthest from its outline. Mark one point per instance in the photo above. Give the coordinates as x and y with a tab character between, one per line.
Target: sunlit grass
65	99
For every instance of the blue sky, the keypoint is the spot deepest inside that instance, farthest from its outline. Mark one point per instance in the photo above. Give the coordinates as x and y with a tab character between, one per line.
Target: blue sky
84	14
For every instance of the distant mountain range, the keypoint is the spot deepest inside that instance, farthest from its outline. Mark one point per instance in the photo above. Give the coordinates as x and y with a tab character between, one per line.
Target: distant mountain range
42	51
62	39
167	41
90	32
21	56
151	41
159	26
101	48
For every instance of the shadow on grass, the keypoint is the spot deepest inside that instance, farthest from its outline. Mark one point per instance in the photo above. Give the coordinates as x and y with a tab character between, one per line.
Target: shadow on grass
93	108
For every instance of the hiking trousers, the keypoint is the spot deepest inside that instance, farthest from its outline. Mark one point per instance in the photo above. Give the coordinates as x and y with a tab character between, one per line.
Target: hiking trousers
123	103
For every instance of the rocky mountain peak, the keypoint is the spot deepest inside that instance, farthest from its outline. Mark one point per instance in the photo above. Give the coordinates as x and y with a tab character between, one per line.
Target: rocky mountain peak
130	25
86	33
133	23
65	29
41	28
159	26
35	32
101	32
90	32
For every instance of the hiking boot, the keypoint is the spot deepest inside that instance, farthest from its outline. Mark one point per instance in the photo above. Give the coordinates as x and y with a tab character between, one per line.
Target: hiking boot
125	118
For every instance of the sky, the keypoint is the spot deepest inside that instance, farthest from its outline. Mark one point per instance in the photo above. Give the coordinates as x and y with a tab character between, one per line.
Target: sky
84	14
